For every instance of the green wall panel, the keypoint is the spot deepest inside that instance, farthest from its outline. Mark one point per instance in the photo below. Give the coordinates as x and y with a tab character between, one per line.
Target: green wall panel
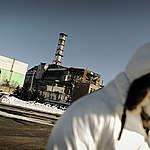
15	78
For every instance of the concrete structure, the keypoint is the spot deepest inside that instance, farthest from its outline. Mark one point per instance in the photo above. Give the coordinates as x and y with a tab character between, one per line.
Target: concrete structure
62	83
57	82
60	49
12	72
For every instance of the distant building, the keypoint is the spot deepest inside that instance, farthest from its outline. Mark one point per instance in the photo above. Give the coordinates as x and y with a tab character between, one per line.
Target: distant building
62	83
12	72
57	82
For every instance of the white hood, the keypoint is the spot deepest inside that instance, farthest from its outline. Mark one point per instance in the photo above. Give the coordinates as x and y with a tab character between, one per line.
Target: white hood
139	64
94	116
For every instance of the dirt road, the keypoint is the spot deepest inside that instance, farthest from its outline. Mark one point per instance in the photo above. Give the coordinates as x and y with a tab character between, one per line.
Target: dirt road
22	135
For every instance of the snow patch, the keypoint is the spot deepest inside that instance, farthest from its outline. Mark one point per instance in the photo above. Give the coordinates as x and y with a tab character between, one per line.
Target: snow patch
31	105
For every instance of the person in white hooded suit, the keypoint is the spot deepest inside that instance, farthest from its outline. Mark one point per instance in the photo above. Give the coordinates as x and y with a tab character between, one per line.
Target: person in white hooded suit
94	122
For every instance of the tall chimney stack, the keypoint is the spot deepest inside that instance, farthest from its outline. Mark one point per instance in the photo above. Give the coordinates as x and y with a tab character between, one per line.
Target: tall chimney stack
60	49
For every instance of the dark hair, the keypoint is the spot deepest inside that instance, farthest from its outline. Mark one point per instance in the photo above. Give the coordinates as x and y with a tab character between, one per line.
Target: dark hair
136	93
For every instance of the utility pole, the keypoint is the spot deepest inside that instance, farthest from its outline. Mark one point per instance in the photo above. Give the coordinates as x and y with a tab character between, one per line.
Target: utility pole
11	72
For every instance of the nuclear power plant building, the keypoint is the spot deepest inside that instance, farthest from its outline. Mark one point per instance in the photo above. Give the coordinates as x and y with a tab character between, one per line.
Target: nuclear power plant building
61	83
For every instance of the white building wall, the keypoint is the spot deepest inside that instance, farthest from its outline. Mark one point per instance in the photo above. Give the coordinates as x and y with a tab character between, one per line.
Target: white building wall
17	66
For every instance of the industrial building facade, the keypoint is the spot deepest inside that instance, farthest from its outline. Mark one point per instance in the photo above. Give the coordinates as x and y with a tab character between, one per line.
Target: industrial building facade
12	72
61	83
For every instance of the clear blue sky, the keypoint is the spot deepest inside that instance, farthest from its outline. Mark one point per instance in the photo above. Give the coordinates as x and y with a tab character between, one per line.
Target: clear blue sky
102	34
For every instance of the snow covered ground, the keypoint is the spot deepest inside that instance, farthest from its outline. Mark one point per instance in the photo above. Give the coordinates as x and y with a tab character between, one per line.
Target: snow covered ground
31	105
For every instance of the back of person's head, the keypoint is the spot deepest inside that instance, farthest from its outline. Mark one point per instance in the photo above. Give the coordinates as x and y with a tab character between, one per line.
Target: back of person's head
137	91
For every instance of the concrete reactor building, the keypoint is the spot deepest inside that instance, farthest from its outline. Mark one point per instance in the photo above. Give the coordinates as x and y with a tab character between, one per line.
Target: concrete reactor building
61	83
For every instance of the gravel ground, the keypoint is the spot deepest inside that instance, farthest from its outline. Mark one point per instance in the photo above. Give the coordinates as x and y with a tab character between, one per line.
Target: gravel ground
22	135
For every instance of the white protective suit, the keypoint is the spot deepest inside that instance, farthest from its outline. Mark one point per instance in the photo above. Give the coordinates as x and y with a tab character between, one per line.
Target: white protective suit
93	122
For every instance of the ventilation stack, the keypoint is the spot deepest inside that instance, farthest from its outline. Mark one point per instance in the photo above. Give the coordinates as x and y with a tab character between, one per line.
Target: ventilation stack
60	49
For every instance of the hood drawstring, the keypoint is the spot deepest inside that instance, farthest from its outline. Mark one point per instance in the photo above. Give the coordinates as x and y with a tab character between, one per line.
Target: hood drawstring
123	120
